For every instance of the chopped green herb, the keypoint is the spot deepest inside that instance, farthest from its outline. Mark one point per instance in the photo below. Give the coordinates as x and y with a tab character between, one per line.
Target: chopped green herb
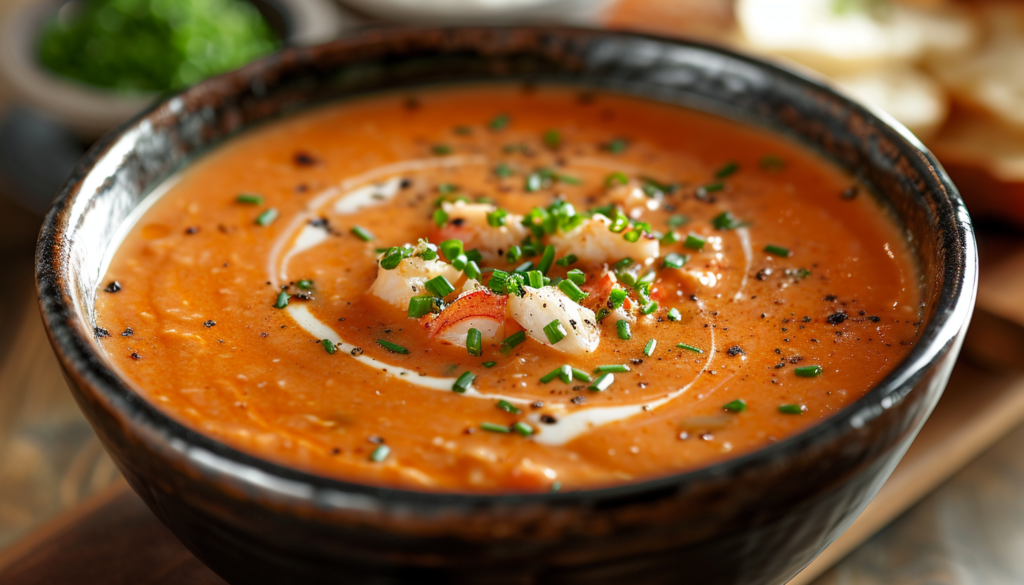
362	233
440	217
618	224
568	180
677	221
576	275
496	218
380	453
509	407
624	263
616	178
778	250
616	297
282	300
735	406
441	149
497	281
534	182
565	261
808	371
633	235
673	314
772	163
450	249
392	347
489	364
535	278
578	374
617	146
602	383
649	348
550	375
447	189
267	217
472	270
673	260
615	368
553	138
393	257
463	382
510	342
304	284
555	332
515	282
792	408
670	238
649	308
522	428
419	306
546	259
459	262
474	342
729	168
623	327
689	348
249	198
726	221
503	171
710	188
565	374
474	255
572	291
439	286
695	242
328	346
499	122
493	428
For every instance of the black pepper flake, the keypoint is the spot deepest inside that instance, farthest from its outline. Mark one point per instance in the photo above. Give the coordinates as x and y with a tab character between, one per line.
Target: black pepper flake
829	298
734	351
538	404
136	356
405	183
128	332
113	287
304	159
357	351
636	361
780	365
335	451
209	323
194	229
837	318
469	431
264	334
578	400
850	194
100	332
548	419
320	222
874	319
376	440
764	273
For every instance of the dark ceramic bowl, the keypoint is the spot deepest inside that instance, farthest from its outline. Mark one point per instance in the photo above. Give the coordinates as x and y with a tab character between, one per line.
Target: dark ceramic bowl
759	518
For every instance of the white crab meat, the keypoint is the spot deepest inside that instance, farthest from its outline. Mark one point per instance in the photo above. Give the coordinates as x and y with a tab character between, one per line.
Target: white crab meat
632	199
468	222
593	243
406	281
538	307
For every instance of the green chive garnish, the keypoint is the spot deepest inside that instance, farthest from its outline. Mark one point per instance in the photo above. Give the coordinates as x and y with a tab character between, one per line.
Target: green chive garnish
536	278
447	188
602	382
493	428
792	408
267	217
778	250
576	275
566	261
677	221
474	342
249	198
513	254
533	182
546	259
472	270
623	326
554	331
510	342
673	314
509	407
735	406
617	146
615	368
617	297
499	122
392	347
282	300
729	168
329	346
441	149
522	428
649	348
489	364
673	260
808	371
440	217
695	242
503	171
616	178
572	291
362	233
380	453
578	374
553	138
451	249
649	308
497	281
304	284
439	286
670	238
726	221
550	375
496	218
689	348
419	306
463	382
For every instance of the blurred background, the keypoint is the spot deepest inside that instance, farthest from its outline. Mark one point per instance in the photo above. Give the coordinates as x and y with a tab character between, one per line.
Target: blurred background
952	71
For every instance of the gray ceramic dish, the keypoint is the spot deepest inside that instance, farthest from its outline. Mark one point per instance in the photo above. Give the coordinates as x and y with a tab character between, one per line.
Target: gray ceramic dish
755	519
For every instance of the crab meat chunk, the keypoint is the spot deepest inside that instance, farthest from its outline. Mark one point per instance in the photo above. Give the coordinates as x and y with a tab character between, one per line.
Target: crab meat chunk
540	306
468	222
479	309
400	285
593	243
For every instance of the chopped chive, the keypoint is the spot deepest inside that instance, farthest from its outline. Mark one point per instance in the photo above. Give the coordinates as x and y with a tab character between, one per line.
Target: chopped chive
649	348
513	254
566	261
578	374
677	221
602	383
493	428
729	168
546	259
514	284
380	453
555	332
565	374
778	250
419	306
726	221
489	364
474	342
553	138
633	236
617	146
304	284
670	238
441	149
440	217
328	346
503	171
447	188
392	347
510	342
522	428
617	297
618	177
550	375
572	291
568	180
499	122
792	408
362	233
533	182
509	407
496	218
463	382
738	405
472	270
695	242
450	249
623	326
616	368
282	300
710	188
673	260
576	275
459	262
618	224
649	308
474	255
673	314
689	348
536	278
808	371
772	163
624	263
267	217
439	286
249	198
497	281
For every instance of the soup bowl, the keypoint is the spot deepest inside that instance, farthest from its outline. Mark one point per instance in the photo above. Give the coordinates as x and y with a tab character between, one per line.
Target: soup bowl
756	519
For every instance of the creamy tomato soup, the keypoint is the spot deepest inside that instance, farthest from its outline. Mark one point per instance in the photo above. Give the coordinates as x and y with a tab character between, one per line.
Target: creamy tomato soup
501	289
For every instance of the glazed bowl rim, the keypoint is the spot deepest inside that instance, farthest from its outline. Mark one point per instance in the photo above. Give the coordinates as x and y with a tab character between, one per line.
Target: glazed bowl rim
79	355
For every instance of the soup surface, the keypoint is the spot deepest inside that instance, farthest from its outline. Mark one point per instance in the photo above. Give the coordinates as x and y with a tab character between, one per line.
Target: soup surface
500	289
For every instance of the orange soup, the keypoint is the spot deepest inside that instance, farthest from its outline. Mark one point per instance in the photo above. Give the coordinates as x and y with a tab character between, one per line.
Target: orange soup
507	289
